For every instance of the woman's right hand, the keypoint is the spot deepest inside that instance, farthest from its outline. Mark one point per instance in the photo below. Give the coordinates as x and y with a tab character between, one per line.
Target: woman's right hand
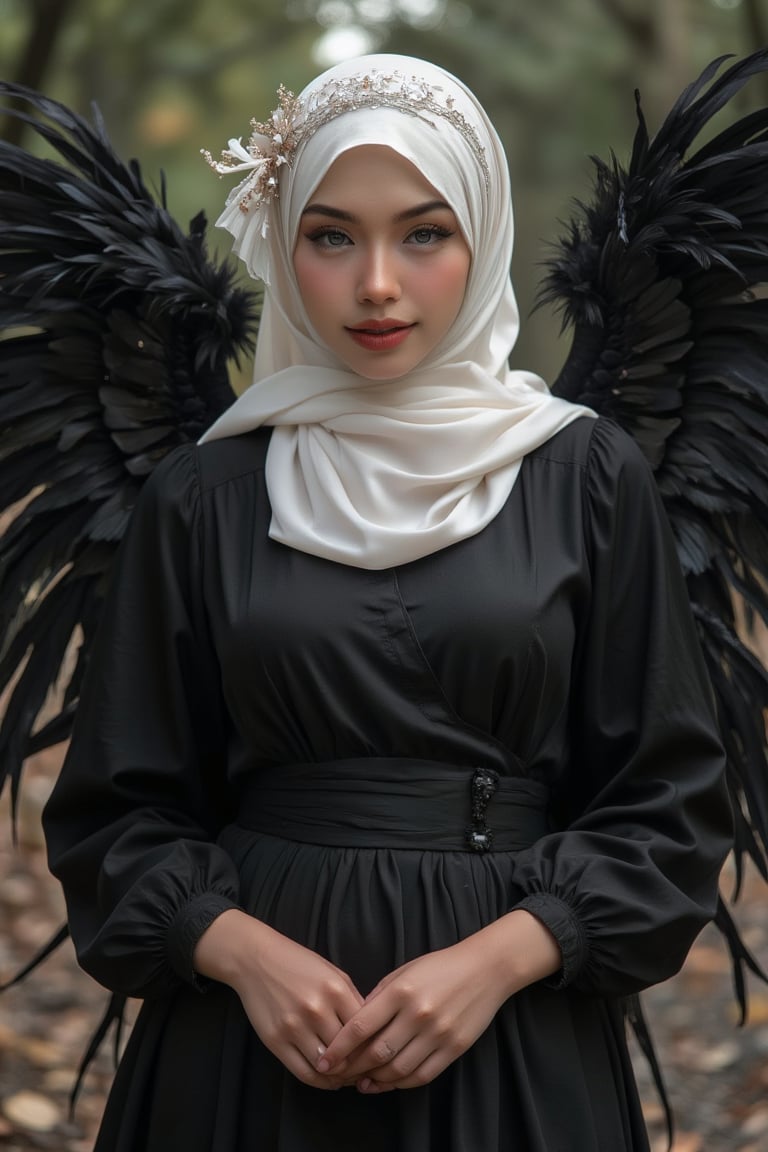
296	1000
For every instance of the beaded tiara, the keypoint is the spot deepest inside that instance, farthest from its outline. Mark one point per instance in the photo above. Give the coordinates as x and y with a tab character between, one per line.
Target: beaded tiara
273	143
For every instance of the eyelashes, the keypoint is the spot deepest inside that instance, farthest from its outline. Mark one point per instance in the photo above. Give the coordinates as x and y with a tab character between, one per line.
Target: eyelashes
431	231
328	237
423	236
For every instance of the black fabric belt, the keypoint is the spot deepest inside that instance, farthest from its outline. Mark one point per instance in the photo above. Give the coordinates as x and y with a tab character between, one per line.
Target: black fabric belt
396	803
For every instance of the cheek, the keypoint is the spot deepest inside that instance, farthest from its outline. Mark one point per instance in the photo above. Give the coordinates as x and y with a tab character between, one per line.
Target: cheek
450	281
311	278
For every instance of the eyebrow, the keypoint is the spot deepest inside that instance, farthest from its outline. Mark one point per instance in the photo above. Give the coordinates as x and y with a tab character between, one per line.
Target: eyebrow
350	218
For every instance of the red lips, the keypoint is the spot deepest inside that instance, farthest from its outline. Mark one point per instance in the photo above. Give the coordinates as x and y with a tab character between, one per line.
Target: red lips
380	335
378	325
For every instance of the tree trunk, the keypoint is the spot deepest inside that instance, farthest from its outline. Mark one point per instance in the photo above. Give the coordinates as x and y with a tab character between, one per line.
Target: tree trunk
674	59
48	21
757	30
639	28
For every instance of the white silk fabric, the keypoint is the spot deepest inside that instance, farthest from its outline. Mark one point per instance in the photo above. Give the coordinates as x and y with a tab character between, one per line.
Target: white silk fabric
376	474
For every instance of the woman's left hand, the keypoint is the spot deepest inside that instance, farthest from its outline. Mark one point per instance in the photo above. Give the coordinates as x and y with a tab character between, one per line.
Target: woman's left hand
424	1015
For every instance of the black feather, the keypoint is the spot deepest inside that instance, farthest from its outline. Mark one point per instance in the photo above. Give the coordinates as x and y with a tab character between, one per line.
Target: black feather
116	330
56	940
113	1014
664	276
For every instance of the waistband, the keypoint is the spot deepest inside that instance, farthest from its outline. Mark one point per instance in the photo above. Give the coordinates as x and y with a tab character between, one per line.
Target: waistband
396	803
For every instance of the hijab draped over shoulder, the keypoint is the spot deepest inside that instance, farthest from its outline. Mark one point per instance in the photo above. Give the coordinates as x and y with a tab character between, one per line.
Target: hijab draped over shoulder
379	473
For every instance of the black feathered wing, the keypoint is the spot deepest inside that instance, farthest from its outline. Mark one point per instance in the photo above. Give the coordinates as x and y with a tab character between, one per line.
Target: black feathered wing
116	329
115	333
664	277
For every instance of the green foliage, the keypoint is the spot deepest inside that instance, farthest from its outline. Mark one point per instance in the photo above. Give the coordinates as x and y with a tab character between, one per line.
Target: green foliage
557	77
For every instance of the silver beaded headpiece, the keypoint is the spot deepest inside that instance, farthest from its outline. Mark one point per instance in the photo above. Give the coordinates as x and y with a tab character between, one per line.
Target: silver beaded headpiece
273	143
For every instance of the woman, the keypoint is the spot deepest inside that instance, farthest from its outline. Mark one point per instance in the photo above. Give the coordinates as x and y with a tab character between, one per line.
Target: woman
396	768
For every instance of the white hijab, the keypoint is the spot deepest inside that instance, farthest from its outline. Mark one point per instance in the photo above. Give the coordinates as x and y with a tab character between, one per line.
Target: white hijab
370	473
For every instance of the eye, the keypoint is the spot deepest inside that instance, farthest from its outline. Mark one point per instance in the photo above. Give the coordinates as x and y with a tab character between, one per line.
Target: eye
329	238
427	234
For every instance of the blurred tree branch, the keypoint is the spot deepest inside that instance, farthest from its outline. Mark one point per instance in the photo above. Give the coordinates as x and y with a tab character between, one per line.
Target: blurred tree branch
641	30
556	78
757	22
47	22
757	29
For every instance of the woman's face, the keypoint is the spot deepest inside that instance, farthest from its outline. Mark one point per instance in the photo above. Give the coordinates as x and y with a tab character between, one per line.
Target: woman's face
381	264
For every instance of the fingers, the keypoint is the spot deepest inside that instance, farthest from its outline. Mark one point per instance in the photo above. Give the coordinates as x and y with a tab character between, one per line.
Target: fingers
397	1049
356	1033
389	1056
303	1069
389	1032
309	1030
385	1052
302	1046
298	1026
423	1073
405	1034
399	1065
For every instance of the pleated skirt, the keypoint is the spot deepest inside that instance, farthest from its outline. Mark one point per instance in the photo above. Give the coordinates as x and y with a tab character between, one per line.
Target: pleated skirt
551	1073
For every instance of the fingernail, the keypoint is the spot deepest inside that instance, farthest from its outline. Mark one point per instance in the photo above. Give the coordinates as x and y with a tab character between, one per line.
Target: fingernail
323	1065
364	1085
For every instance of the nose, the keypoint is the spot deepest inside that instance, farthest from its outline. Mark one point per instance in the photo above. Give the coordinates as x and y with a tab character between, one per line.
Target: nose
379	279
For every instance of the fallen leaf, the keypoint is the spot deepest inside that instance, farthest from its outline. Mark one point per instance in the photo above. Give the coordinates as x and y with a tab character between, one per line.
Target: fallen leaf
33	1111
756	1124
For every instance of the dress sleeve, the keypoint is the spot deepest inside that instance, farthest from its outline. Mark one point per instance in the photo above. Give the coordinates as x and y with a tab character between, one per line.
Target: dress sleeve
632	877
130	825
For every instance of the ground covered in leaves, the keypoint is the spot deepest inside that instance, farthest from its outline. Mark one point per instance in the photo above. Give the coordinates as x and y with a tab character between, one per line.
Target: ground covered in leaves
716	1072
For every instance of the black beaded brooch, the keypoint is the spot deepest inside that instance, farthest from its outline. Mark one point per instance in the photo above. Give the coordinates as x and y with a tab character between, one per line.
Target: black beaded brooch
484	783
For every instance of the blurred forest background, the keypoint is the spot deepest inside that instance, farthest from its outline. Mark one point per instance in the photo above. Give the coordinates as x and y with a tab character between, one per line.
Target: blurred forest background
557	77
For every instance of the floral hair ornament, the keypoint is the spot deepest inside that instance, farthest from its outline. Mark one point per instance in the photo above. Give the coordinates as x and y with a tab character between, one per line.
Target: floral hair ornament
273	144
270	145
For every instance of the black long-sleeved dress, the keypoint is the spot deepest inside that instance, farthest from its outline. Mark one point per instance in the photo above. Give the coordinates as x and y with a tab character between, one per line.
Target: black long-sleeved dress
271	730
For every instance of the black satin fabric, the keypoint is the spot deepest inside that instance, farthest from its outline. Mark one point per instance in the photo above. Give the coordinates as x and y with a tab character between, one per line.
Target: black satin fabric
555	647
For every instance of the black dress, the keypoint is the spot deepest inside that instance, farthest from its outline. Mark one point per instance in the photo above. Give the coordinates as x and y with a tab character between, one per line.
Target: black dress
271	730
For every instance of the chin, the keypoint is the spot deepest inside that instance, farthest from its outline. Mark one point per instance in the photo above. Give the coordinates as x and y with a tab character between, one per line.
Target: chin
383	373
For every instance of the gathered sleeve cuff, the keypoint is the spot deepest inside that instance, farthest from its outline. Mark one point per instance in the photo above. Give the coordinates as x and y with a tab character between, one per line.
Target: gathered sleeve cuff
567	929
186	928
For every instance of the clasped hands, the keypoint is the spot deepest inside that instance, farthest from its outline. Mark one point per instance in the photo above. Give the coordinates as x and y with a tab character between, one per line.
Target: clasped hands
414	1023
